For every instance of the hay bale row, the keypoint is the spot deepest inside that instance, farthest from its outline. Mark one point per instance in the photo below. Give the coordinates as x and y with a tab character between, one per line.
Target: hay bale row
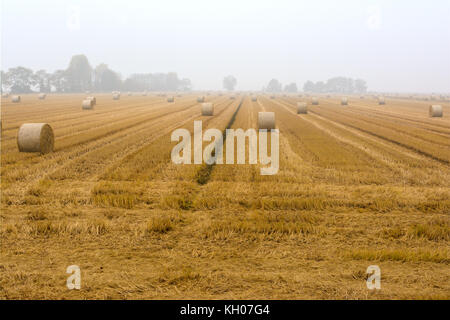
435	111
35	137
266	120
302	108
207	109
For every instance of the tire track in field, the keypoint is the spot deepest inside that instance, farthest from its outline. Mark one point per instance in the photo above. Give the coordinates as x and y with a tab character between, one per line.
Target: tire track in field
146	142
130	158
204	174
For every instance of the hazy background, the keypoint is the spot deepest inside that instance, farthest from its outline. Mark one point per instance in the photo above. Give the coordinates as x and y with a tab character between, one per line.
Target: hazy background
394	45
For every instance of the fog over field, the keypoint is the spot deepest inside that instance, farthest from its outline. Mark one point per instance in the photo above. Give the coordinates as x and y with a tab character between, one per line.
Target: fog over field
393	45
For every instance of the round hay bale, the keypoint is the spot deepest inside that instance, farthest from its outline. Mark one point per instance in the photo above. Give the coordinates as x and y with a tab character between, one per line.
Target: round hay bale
436	111
254	99
42	96
201	99
302	107
87	104
170	99
16	99
116	96
381	101
129	94
94	100
207	109
344	101
35	137
314	101
266	120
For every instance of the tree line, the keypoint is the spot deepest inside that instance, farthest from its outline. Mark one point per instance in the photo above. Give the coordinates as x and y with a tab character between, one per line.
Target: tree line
333	85
80	77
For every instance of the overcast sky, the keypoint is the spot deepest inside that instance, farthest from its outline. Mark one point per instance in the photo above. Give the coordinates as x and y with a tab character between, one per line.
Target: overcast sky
395	45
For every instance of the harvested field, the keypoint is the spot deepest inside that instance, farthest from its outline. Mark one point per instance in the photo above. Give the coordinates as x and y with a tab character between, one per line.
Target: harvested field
363	185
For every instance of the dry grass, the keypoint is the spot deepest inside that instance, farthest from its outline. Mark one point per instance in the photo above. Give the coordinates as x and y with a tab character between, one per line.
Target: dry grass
358	186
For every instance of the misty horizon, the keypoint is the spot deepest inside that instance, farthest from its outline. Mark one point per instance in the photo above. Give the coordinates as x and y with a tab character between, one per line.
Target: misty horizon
395	47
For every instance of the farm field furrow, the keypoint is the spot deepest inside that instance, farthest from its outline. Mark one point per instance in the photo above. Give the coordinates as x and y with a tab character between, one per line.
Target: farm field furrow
74	117
137	134
428	149
432	135
351	191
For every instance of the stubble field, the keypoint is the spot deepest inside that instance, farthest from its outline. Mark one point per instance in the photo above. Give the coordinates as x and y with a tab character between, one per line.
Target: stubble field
358	185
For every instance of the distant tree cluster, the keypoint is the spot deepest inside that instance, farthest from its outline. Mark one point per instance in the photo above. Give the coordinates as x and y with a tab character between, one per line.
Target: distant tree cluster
229	83
80	77
337	85
275	86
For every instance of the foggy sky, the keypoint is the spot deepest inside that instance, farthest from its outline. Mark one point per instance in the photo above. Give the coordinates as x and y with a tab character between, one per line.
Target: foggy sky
395	45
